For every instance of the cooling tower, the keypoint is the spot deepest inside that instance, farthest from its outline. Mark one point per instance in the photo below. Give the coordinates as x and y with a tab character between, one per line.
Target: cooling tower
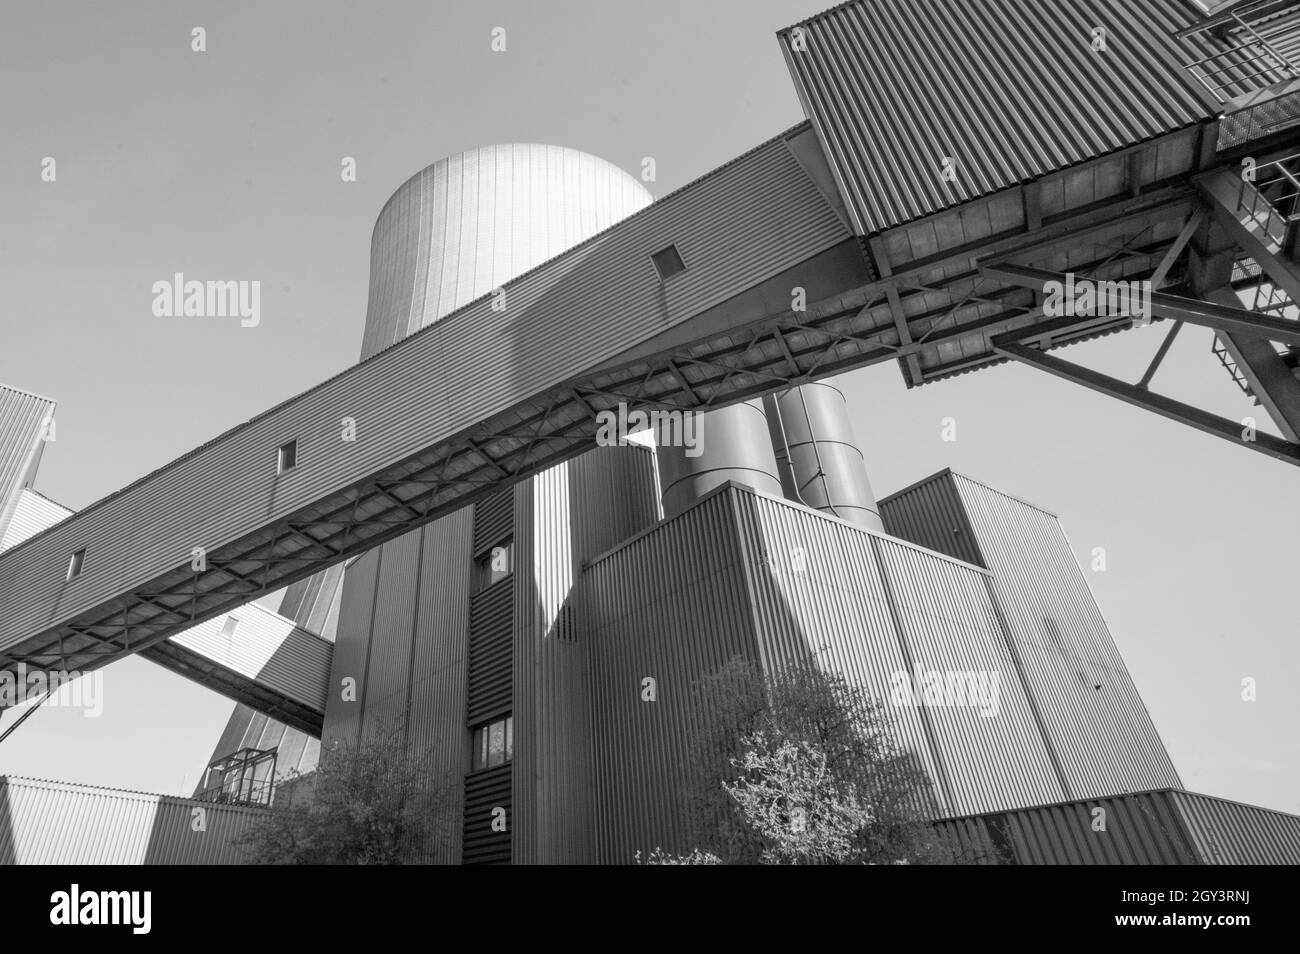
469	223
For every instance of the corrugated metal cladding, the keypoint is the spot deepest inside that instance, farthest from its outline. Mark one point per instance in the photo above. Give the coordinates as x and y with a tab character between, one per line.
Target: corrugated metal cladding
57	823
491	637
879	610
407	652
930	514
439	670
267	649
740	225
492	520
743	574
487	802
509	648
403	621
392	628
562	518
23	420
472	222
1097	725
1230	833
1144	828
31	514
671	605
351	648
313	603
1009	90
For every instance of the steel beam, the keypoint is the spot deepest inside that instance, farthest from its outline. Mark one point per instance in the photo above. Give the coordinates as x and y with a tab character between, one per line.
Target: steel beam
1140	397
1222	189
1220	317
1271	381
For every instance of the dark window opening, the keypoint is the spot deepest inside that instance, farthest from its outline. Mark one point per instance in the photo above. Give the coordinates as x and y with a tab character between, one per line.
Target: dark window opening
669	262
75	564
494	743
287	457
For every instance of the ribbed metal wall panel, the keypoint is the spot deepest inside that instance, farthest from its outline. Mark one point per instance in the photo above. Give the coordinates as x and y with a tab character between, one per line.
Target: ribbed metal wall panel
492	521
745	222
313	603
403	635
23	420
836	610
267	649
351	649
491	652
485	791
388	671
870	607
439	671
1103	738
48	823
469	223
1167	827
1231	833
672	604
1009	89
950	625
290	749
31	514
930	514
563	517
725	578
1140	829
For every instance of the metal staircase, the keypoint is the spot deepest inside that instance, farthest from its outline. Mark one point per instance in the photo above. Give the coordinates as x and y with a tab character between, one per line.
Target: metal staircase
1250	45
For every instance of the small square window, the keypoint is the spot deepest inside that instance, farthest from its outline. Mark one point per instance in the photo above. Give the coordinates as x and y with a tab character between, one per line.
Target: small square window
669	262
228	628
75	564
287	457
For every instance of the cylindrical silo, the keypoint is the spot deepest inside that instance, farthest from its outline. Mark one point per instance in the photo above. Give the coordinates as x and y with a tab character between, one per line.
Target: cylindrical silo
733	444
818	457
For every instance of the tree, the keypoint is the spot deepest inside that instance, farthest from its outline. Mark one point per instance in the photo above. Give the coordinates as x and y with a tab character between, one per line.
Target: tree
366	804
799	766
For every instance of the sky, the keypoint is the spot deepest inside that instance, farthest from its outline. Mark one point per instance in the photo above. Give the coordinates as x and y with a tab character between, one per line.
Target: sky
227	163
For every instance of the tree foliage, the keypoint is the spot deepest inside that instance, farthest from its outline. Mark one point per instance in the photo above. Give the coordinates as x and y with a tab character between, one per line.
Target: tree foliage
800	766
366	804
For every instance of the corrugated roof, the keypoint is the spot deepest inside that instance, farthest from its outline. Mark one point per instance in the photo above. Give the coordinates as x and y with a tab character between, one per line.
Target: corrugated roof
1010	90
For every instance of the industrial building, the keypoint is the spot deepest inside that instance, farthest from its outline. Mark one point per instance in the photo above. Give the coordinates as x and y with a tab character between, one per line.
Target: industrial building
477	566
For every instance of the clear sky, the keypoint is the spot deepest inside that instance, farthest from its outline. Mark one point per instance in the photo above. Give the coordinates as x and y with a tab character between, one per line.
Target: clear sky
226	164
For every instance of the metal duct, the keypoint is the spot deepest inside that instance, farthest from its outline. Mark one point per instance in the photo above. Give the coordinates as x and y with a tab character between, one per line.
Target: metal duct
732	444
821	465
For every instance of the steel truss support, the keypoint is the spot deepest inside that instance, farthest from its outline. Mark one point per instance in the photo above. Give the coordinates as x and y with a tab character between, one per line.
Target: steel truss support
1246	334
1271	381
1221	317
1230	430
